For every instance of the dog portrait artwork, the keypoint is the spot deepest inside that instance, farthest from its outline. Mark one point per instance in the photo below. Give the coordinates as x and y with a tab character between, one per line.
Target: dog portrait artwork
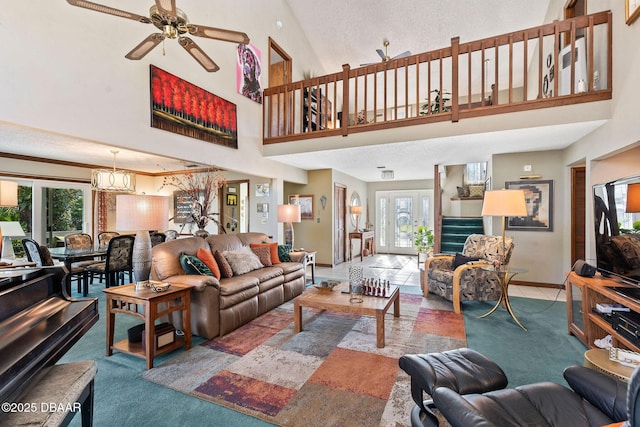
248	72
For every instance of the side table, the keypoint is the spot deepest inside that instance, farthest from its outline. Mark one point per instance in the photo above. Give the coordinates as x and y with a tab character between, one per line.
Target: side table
504	278
364	237
308	260
128	300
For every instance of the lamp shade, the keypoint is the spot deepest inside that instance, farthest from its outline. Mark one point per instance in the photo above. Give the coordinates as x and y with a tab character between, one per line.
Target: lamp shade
633	198
504	203
356	210
289	213
8	194
11	229
136	212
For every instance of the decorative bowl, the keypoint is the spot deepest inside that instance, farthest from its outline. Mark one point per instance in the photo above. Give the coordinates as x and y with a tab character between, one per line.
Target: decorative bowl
159	286
327	286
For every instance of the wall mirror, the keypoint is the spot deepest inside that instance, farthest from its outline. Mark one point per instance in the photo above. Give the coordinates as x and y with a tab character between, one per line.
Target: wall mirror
355	201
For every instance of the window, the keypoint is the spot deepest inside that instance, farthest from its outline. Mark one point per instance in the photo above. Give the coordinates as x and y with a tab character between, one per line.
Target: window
475	173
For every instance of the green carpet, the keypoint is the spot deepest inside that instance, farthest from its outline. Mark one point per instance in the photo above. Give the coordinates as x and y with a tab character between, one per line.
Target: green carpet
539	354
123	397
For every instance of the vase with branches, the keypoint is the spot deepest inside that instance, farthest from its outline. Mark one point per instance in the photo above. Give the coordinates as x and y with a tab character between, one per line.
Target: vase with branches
200	188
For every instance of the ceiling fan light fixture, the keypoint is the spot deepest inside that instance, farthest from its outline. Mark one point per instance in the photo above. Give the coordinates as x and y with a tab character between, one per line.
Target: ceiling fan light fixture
113	180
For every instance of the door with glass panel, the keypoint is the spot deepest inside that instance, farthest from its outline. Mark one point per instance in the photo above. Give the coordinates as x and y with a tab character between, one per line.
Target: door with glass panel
398	215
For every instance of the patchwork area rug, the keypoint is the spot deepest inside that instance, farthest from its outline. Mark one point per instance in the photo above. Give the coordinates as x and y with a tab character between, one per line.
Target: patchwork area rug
330	374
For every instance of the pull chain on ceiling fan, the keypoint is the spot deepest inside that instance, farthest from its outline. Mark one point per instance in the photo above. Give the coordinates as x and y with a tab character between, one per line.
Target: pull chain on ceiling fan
173	23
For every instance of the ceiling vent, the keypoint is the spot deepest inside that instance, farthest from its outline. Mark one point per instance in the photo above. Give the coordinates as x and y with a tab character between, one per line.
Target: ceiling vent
387	174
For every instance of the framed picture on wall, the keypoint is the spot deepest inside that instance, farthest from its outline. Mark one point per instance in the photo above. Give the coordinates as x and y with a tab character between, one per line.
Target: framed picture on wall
306	205
632	10
539	198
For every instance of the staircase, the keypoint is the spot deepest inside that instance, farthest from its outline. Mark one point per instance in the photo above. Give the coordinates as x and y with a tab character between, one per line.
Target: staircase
455	231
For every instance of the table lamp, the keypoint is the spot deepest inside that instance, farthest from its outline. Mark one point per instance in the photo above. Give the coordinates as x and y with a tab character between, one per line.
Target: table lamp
141	213
10	229
8	199
504	203
288	214
357	211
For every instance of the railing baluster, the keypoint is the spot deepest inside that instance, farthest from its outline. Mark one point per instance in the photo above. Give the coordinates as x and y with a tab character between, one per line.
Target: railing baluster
286	108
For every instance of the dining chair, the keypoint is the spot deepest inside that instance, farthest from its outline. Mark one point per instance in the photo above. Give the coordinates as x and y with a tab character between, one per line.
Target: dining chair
36	253
104	237
157	238
80	241
117	261
171	234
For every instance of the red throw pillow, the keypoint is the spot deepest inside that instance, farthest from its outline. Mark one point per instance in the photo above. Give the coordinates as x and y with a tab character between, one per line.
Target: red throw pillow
273	249
264	254
206	256
225	268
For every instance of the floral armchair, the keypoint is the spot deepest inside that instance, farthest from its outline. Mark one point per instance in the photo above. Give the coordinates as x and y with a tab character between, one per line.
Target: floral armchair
460	277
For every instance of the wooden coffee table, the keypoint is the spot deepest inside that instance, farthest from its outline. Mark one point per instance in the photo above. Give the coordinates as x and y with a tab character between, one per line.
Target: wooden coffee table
338	301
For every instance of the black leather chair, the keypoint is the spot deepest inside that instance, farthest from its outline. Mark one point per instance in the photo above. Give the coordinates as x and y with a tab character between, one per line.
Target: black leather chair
594	399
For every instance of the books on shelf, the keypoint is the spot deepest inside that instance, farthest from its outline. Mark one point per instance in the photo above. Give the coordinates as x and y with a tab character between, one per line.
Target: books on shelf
604	308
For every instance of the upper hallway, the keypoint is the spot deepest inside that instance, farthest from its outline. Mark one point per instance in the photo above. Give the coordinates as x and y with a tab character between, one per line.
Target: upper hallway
554	76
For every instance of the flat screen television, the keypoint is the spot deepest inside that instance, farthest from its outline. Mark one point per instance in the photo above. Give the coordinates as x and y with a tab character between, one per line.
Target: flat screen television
617	229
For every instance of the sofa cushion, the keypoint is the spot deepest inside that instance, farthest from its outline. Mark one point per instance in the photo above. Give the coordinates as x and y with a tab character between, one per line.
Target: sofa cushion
225	268
264	254
283	253
192	265
206	256
242	261
273	249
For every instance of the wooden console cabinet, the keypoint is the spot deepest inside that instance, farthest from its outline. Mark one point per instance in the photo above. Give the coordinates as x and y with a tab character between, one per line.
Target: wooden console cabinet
583	293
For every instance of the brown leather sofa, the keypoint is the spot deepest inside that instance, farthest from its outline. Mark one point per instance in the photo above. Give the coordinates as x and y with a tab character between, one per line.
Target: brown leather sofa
220	306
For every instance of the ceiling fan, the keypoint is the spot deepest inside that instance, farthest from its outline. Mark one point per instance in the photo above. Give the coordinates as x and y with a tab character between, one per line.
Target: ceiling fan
385	55
173	23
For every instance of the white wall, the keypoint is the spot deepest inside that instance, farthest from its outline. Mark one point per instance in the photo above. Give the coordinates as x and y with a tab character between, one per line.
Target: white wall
67	74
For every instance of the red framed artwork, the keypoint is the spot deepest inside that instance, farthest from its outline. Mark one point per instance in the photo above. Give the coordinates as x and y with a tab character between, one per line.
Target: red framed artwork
180	107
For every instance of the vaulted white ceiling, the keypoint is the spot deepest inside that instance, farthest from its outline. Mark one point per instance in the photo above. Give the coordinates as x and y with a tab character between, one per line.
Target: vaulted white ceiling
342	32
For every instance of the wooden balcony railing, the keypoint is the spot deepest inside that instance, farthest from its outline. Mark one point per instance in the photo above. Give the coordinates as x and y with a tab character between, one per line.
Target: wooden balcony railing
561	63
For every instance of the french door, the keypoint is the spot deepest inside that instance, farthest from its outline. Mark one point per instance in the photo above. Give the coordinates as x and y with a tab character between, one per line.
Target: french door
398	215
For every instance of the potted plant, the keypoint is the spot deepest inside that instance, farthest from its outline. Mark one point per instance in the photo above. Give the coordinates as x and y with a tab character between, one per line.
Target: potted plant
200	188
423	240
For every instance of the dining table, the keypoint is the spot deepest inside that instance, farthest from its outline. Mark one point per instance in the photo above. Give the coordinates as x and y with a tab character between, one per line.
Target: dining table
69	256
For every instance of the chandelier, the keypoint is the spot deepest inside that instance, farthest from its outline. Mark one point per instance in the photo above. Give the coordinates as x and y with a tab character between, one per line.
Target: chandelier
113	179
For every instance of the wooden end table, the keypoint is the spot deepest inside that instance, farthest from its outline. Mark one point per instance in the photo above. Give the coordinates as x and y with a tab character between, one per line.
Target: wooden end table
144	304
336	300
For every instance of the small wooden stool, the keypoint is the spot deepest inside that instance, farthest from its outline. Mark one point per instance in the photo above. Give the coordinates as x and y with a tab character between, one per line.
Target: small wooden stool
54	399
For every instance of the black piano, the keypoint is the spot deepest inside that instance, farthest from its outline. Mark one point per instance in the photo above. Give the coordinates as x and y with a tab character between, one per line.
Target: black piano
39	323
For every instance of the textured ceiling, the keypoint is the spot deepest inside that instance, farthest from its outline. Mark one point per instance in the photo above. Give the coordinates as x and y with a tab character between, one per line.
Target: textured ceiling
342	32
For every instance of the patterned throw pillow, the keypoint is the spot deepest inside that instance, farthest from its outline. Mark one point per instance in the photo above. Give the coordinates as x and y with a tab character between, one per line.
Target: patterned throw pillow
242	261
264	254
283	253
476	190
206	256
192	265
225	268
273	249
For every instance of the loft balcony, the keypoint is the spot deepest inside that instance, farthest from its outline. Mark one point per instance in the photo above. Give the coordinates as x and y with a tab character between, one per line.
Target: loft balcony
554	65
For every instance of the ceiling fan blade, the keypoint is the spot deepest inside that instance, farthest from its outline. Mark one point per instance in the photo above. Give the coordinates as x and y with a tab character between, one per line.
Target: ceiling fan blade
167	7
145	46
109	10
402	55
198	54
218	34
382	54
